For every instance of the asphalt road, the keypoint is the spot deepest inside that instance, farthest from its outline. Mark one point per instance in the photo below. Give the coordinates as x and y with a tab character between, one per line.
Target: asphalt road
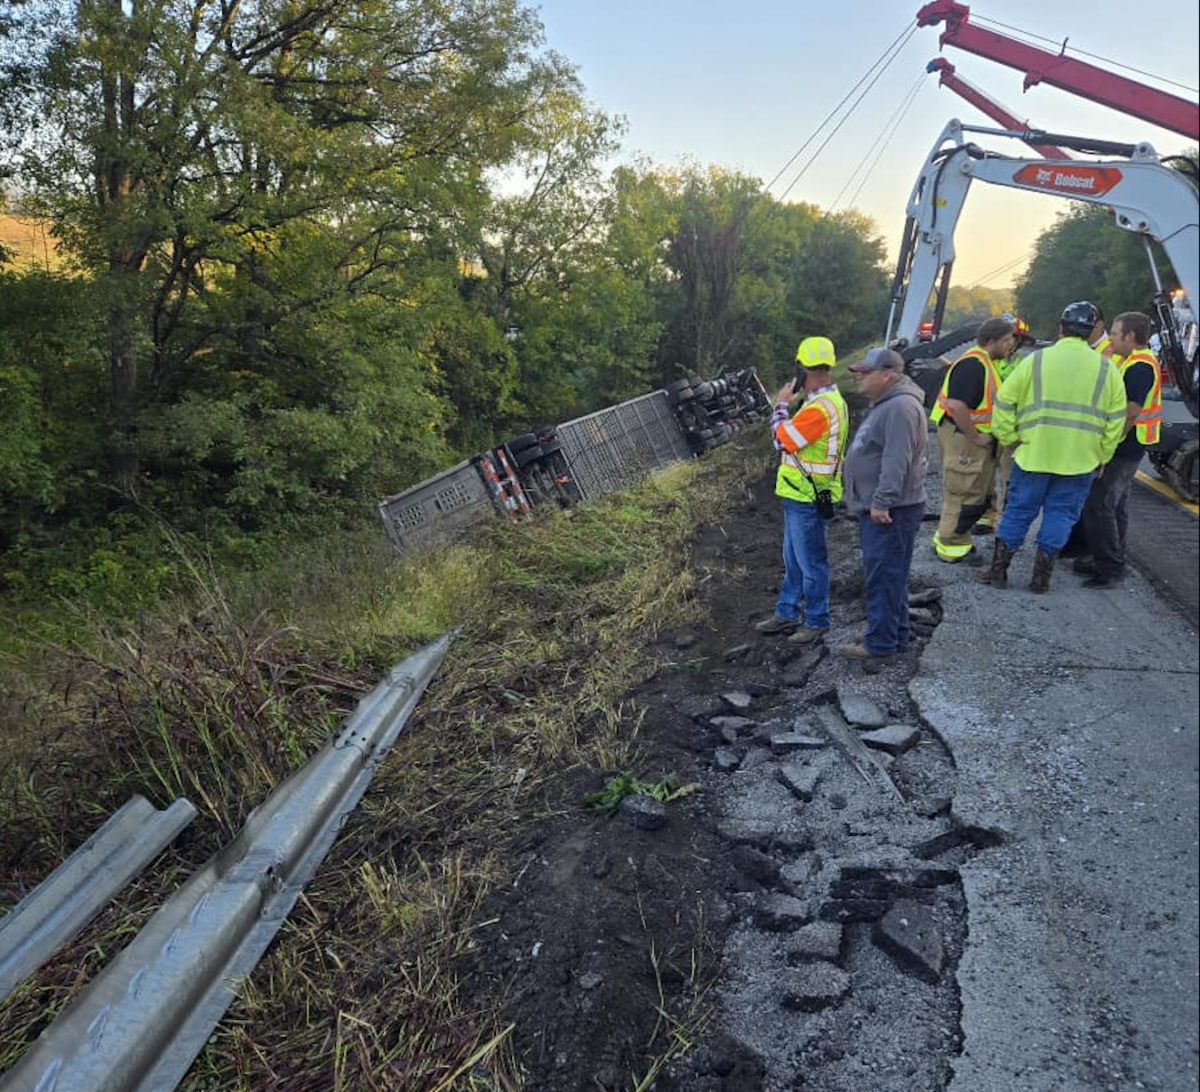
1164	535
1072	718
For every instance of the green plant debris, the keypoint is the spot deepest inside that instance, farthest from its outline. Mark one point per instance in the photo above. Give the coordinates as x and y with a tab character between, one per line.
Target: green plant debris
625	784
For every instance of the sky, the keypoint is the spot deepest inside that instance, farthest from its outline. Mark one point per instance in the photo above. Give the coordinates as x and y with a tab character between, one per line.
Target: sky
742	84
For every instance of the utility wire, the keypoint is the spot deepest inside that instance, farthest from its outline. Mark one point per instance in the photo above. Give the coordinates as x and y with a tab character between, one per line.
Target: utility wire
999	270
885	136
906	33
846	117
1085	53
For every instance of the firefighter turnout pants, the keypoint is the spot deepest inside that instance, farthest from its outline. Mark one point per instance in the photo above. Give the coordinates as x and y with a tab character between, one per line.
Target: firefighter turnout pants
968	472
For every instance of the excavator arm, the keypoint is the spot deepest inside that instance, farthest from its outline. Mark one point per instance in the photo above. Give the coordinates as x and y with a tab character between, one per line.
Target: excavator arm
1145	197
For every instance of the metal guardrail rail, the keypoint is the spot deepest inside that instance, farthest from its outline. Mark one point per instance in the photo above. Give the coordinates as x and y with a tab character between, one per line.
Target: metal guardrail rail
79	888
140	1024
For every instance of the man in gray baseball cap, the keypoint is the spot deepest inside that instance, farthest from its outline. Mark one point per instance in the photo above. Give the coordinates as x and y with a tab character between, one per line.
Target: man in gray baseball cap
885	487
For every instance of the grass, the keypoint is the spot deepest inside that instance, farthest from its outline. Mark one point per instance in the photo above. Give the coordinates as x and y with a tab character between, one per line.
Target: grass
218	697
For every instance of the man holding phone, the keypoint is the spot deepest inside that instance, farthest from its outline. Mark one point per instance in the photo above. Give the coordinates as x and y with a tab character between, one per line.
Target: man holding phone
811	445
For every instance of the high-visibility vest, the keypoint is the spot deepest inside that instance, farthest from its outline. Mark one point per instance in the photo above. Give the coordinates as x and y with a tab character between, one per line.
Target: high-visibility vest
1148	423
981	415
1066	406
1104	346
822	458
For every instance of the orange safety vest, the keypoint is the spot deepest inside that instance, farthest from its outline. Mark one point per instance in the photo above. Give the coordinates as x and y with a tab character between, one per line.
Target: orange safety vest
981	415
1148	423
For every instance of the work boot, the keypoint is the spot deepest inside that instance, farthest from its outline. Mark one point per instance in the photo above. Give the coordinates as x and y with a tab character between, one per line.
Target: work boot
807	635
775	624
1043	566
997	574
1085	566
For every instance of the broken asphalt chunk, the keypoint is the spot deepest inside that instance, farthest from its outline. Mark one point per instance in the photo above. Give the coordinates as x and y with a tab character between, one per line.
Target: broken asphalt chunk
781	913
860	710
800	780
894	739
814	987
643	813
910	935
818	940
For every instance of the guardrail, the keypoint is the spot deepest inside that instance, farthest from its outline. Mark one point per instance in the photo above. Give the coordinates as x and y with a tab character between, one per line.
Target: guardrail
75	892
139	1025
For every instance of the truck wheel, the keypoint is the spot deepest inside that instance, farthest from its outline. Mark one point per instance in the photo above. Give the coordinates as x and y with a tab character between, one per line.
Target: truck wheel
520	443
1183	471
528	455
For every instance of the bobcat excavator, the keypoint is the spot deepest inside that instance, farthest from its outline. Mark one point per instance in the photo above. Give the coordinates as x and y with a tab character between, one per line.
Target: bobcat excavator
1145	193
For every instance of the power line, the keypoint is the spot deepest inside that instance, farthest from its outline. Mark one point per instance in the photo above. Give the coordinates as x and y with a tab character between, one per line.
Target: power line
846	117
906	33
1085	53
999	270
888	131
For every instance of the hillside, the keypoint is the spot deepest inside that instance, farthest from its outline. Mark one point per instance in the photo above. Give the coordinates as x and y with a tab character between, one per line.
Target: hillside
29	241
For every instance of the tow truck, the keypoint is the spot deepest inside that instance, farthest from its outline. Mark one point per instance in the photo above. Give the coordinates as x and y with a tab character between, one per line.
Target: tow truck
1144	191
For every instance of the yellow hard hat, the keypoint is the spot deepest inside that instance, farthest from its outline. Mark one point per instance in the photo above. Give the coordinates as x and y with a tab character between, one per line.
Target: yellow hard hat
815	352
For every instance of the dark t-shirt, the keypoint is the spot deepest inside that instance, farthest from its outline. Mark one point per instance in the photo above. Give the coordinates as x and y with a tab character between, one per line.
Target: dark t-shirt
968	381
1139	381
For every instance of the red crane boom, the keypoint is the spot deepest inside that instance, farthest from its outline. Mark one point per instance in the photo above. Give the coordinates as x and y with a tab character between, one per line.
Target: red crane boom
1057	69
988	105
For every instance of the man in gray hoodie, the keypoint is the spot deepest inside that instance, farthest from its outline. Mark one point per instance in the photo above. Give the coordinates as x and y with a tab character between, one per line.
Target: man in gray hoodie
885	487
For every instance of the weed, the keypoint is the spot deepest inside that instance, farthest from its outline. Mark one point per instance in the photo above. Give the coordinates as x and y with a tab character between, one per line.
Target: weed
625	784
219	696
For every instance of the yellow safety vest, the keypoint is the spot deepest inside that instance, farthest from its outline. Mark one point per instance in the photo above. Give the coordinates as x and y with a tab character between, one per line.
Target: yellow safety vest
821	459
1148	423
981	415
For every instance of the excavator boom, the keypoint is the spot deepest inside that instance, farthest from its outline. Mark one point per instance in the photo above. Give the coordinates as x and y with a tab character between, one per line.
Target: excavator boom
1145	197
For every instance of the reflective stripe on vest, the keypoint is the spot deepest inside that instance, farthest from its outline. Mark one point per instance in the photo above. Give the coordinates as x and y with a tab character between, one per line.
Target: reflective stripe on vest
820	459
1148	423
981	415
1043	411
823	454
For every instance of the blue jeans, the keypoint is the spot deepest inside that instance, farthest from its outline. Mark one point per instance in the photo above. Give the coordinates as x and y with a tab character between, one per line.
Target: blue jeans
887	550
1059	497
805	566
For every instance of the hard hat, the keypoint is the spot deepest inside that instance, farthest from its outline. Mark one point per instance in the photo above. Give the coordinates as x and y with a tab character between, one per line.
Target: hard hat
1019	325
1079	318
815	352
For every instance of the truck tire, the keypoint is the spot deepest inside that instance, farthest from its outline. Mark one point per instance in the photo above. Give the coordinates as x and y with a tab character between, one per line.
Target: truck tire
528	455
520	443
1183	471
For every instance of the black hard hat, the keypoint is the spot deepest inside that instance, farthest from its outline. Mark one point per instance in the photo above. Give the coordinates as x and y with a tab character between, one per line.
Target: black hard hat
1080	318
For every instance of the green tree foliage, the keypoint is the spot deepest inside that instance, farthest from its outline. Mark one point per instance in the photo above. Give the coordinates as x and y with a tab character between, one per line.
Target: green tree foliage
1083	255
965	306
317	249
230	176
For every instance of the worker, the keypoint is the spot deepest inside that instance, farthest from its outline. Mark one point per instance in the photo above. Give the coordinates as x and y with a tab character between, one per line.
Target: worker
1106	513
1064	408
963	415
1076	545
1099	339
1024	339
885	488
812	445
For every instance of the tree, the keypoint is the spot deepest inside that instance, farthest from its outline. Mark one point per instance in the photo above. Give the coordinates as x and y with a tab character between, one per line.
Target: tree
228	173
1084	256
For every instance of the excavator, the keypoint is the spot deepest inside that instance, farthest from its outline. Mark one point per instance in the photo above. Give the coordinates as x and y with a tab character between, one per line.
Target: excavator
1153	196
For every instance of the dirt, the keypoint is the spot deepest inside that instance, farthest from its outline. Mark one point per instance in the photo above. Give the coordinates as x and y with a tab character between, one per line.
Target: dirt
633	959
